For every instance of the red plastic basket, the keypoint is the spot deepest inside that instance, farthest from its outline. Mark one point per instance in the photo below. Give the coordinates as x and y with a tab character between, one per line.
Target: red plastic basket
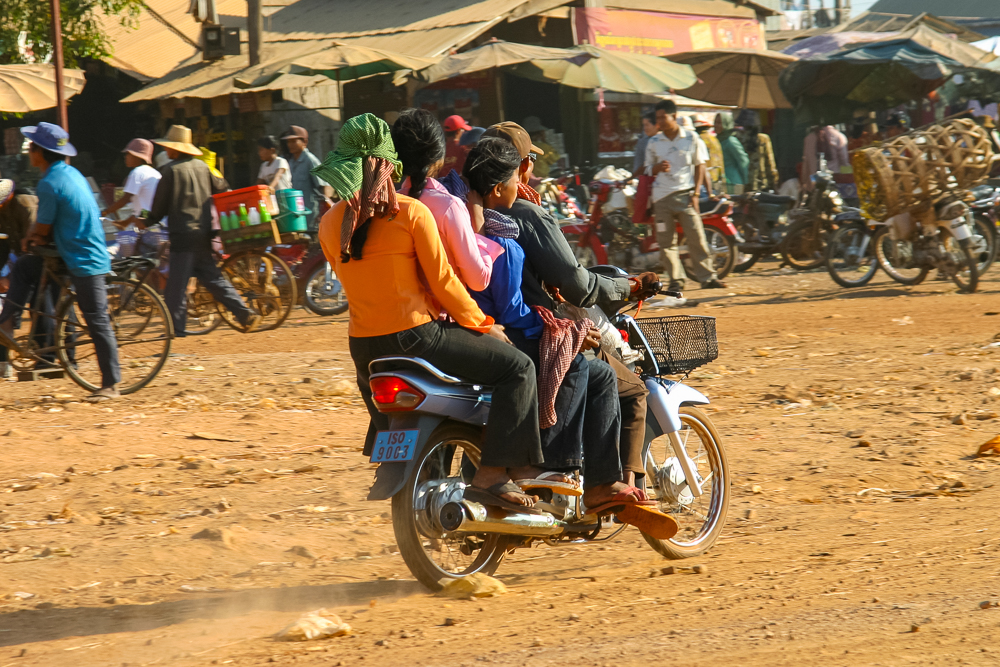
226	202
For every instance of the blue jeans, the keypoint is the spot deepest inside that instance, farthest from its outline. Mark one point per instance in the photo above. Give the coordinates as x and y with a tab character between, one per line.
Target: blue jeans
92	300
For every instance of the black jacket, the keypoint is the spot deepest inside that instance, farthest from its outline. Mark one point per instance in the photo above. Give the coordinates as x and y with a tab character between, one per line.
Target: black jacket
549	258
184	197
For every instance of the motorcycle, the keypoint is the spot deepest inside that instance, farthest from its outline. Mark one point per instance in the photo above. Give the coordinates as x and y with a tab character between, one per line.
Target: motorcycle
558	202
429	454
850	254
321	292
762	220
610	236
986	220
940	238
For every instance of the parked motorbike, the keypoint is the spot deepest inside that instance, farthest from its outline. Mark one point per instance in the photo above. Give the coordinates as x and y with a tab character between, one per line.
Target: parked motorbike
429	454
850	254
761	218
942	238
558	202
610	236
321	292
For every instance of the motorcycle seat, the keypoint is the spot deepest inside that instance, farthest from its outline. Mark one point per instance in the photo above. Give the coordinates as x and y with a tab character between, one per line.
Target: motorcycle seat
768	198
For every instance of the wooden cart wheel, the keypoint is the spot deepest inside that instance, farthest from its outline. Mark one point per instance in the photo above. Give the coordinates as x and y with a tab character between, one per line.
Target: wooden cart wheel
266	284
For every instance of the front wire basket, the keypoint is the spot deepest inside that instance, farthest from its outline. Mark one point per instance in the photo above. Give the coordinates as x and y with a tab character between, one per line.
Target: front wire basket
680	343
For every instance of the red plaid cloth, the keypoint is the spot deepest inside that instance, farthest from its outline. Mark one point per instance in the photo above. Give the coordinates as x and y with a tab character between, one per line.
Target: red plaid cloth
561	340
377	197
527	192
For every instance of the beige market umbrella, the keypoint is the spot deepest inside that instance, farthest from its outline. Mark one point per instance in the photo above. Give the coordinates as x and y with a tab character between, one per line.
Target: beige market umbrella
617	71
341	61
496	54
745	78
26	88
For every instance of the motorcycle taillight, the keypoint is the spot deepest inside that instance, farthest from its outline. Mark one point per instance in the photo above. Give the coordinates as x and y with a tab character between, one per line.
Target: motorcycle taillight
393	394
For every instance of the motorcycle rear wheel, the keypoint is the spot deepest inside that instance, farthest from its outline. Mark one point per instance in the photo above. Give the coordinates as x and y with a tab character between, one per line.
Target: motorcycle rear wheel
967	279
721	248
802	247
452	451
701	519
745	261
888	252
320	298
844	261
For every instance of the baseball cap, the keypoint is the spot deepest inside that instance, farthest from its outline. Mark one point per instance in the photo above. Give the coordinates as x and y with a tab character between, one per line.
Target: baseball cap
471	137
141	148
516	135
295	132
50	137
456	122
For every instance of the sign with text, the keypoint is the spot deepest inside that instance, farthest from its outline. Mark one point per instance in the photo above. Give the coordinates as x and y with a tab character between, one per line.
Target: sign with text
660	34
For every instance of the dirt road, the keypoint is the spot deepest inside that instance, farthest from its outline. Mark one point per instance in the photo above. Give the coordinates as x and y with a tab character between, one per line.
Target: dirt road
862	529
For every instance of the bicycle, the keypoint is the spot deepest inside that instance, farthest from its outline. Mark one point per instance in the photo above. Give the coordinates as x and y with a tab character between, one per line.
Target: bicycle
139	318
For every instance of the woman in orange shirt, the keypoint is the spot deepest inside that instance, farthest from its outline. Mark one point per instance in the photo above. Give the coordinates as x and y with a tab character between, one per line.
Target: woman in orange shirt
380	243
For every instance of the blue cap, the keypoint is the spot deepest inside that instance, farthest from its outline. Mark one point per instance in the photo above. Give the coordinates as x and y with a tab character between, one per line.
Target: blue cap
50	137
471	137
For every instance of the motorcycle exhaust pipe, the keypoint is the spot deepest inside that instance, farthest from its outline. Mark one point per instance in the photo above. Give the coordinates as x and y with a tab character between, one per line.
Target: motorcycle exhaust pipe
467	516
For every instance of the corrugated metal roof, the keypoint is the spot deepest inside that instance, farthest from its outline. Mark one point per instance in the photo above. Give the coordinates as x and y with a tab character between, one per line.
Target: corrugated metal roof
942	8
696	7
874	22
166	37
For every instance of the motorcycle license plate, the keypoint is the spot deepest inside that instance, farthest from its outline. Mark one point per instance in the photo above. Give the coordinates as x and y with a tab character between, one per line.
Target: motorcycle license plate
394	446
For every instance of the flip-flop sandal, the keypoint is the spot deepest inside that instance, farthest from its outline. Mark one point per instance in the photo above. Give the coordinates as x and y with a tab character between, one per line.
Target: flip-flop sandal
491	497
627	496
650	521
541	481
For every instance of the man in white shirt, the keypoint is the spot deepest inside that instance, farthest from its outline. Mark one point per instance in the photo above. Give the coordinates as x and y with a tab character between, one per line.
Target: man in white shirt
274	171
140	186
677	157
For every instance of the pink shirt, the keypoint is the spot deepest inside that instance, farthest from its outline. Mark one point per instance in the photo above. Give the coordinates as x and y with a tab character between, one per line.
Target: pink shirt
470	254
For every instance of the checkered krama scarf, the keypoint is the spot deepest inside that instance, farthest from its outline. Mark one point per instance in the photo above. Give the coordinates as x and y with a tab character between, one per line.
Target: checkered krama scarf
528	193
561	341
361	172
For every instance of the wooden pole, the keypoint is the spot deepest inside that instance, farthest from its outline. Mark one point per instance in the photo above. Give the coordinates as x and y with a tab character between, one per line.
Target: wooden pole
57	60
254	31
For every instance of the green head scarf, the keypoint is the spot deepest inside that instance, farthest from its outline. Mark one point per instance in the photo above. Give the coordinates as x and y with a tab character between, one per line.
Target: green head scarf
360	137
727	124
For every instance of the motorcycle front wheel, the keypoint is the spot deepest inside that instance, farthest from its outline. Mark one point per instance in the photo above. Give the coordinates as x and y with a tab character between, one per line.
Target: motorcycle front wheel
802	248
984	245
700	519
850	256
897	259
432	554
324	296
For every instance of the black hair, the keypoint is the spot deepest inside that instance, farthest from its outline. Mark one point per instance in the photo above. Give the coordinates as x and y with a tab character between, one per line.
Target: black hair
666	106
50	157
493	160
419	142
651	117
268	142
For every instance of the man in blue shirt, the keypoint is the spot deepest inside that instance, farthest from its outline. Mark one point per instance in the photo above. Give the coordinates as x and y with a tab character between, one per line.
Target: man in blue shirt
301	161
68	213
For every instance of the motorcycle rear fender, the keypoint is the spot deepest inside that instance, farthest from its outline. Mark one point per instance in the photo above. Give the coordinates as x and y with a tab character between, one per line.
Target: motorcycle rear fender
390	477
723	224
575	229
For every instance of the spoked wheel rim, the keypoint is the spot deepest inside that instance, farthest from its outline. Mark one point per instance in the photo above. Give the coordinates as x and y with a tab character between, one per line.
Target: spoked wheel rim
142	329
696	518
980	246
266	285
451	555
804	250
719	251
202	312
897	258
964	272
850	256
326	295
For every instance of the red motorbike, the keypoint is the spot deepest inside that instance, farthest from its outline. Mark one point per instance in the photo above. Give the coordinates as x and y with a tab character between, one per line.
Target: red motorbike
321	292
610	236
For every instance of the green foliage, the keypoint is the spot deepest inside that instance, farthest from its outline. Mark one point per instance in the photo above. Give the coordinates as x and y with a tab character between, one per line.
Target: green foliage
81	27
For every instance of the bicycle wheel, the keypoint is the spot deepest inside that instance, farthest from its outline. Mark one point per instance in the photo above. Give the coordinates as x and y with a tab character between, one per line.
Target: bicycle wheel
143	331
850	256
266	284
202	314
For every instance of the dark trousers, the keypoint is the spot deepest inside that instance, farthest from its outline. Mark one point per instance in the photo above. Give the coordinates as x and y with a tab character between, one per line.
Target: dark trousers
199	263
92	301
24	278
585	435
632	395
511	435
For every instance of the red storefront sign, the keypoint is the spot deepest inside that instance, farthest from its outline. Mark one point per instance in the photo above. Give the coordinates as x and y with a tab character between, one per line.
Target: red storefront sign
660	34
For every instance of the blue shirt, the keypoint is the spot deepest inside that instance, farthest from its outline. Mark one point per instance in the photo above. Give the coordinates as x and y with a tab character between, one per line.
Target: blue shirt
501	299
66	202
309	184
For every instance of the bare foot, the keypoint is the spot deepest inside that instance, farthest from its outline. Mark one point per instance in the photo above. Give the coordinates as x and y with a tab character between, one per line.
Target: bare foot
489	476
531	472
598	495
629	477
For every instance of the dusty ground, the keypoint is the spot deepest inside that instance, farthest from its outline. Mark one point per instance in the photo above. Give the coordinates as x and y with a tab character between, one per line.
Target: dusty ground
869	550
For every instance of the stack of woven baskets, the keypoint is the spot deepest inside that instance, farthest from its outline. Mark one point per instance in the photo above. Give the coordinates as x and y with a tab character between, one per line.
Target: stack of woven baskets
912	171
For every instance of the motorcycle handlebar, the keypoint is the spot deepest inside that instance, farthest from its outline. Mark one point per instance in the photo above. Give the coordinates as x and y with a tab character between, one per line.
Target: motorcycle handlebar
658	287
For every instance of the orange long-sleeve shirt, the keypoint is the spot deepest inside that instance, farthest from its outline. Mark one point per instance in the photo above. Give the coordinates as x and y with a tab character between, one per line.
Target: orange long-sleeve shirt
384	287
